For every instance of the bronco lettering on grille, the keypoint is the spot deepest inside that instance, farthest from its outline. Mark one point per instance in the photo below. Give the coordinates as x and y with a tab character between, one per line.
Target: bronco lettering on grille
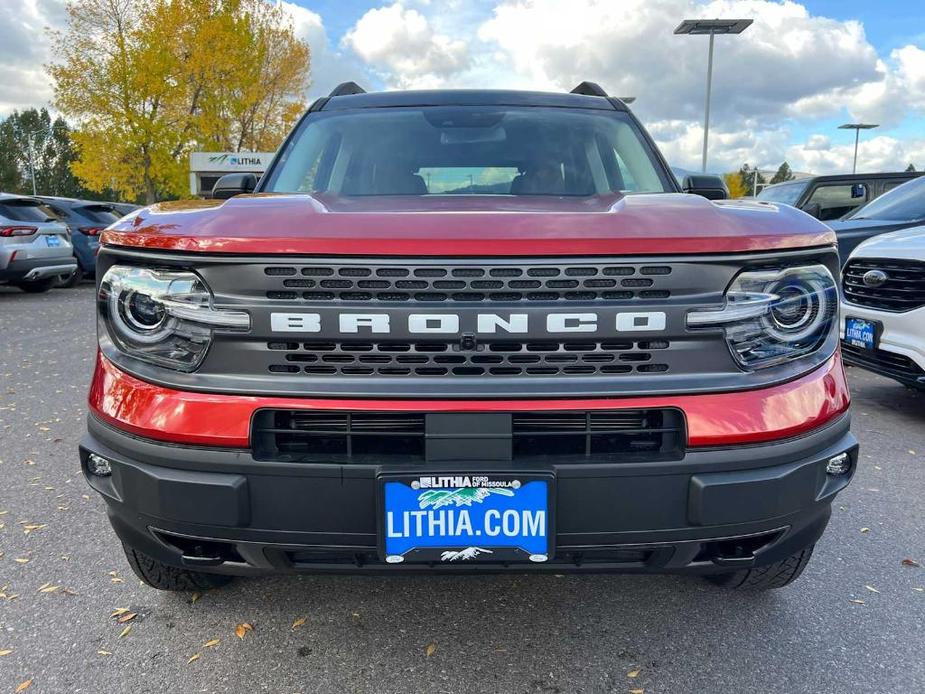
484	323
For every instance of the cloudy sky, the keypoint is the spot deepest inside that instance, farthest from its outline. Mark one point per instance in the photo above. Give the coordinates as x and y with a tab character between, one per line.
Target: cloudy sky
780	89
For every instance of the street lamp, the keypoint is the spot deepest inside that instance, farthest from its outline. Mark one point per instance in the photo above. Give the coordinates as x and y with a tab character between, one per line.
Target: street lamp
857	128
711	27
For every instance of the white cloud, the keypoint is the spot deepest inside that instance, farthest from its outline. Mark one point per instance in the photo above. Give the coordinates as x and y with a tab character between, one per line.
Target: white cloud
24	48
402	45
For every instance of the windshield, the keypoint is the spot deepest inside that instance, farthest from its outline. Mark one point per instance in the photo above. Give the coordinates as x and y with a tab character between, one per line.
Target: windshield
787	193
468	150
903	203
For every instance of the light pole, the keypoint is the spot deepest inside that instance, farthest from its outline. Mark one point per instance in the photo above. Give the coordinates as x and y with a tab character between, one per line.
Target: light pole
857	128
711	27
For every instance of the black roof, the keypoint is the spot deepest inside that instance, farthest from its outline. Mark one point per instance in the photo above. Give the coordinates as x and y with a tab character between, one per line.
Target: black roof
836	178
469	97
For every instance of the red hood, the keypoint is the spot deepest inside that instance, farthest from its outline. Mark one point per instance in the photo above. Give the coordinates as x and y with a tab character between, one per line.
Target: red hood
471	225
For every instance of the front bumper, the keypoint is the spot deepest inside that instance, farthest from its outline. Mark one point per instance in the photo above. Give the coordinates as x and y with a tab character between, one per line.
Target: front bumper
900	352
717	509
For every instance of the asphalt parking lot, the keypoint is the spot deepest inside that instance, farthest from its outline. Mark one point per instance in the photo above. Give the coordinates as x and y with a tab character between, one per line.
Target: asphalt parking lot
855	621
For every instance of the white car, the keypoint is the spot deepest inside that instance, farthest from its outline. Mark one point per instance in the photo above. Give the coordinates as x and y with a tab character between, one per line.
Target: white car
883	306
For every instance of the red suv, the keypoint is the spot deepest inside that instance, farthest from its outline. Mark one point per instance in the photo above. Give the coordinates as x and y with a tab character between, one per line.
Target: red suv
467	331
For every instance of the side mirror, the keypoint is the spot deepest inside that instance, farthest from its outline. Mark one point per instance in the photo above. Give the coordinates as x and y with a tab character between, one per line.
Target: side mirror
233	184
858	190
709	187
813	209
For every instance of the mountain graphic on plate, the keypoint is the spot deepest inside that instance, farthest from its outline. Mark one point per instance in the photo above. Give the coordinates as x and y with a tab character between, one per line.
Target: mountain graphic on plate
438	498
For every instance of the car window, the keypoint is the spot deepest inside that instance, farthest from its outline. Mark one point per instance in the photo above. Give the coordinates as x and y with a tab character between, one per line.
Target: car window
835	200
101	214
787	193
903	203
25	211
452	150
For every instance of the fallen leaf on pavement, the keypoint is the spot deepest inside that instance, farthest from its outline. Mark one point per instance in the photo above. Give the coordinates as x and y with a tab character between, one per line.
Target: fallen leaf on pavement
431	649
21	560
211	642
127	617
297	623
919	590
194	597
193	657
23	686
633	674
32	526
872	589
909	562
48	588
241	629
119	610
857	602
865	530
101	652
637	691
125	631
5	651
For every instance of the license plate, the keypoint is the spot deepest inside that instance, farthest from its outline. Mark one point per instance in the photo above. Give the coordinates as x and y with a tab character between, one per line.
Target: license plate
861	333
52	241
464	518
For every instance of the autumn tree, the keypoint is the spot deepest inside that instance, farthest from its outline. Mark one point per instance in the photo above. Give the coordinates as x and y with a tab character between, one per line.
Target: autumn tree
148	81
734	184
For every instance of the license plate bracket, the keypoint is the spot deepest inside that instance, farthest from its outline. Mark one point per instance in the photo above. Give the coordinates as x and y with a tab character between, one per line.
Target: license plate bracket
863	333
466	518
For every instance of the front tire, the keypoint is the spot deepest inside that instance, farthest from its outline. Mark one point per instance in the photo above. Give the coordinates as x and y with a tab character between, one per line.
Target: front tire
165	577
776	575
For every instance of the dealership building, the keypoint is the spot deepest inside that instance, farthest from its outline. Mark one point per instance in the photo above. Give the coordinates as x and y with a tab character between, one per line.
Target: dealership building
207	167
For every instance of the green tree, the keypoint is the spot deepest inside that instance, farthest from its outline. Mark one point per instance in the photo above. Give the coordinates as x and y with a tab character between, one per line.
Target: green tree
910	168
747	178
783	174
151	80
32	139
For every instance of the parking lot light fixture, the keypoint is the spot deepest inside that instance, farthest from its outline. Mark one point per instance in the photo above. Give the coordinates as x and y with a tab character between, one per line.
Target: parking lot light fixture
857	127
711	27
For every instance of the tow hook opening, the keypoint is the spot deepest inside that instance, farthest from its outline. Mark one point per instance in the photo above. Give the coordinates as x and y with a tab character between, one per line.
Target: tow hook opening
737	551
198	552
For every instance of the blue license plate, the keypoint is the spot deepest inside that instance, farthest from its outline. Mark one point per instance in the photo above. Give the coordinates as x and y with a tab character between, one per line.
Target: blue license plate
466	518
52	241
860	333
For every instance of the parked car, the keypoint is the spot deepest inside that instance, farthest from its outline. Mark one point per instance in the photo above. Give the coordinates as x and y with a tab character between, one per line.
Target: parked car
899	208
35	249
833	197
883	306
369	367
123	208
86	219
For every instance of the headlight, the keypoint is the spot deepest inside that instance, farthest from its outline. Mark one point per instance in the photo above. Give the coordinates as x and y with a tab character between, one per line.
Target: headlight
162	316
773	316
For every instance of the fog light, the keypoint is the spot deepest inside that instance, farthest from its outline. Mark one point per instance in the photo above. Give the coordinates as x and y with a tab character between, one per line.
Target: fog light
838	464
98	465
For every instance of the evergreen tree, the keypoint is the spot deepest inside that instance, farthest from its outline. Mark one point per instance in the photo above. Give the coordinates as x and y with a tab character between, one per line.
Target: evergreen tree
783	174
910	168
747	178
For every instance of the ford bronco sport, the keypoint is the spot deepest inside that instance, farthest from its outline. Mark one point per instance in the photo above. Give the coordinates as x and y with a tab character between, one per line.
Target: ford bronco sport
467	331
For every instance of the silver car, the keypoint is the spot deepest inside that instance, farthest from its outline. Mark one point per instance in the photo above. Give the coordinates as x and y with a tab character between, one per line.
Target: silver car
35	250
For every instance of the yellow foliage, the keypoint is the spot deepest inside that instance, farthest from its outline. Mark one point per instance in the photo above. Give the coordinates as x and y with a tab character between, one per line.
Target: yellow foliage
148	81
734	183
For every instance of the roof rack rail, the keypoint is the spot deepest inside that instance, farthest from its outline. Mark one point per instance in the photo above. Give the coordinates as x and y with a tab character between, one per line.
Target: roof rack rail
347	88
589	89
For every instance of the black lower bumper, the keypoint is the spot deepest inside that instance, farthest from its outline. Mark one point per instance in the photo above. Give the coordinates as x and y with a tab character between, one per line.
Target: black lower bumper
34	269
890	364
715	510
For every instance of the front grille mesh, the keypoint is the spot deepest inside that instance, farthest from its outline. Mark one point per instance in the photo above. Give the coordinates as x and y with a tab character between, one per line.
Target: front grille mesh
433	358
437	284
904	289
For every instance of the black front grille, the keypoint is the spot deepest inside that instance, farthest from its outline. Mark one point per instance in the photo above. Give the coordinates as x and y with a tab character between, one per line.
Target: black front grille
433	358
377	437
903	290
431	284
897	366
